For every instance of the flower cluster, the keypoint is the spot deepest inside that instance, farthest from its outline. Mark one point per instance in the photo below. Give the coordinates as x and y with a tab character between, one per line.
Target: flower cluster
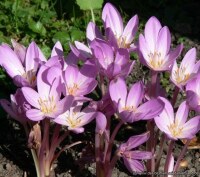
58	91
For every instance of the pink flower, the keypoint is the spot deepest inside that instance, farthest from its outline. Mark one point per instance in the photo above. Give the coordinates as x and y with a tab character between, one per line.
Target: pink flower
176	127
23	71
155	46
129	104
111	64
187	70
75	118
132	158
17	107
46	102
117	35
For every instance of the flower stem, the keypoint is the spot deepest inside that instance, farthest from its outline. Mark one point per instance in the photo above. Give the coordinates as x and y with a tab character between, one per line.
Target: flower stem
108	154
163	140
181	155
151	146
176	91
169	153
154	76
35	159
92	14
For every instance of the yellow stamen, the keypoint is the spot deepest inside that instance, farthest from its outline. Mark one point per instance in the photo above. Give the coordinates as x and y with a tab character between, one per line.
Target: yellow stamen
72	90
47	106
175	129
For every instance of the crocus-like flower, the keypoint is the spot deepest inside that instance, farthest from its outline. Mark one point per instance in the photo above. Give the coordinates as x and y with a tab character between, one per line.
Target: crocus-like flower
116	33
80	82
187	70
46	102
177	127
193	93
75	118
132	158
155	46
111	64
23	71
128	104
17	107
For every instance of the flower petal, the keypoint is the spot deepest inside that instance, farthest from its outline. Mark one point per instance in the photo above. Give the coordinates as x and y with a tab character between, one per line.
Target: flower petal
31	96
35	115
133	165
182	114
130	29
151	31
112	19
118	95
135	95
150	109
164	41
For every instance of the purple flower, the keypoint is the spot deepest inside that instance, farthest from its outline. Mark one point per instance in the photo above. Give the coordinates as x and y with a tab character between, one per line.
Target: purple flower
17	107
155	46
80	82
132	158
46	102
111	64
128	104
75	118
187	70
23	71
176	127
116	33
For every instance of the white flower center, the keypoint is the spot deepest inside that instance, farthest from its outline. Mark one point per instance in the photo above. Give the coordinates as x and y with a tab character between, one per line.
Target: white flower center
155	60
181	76
72	90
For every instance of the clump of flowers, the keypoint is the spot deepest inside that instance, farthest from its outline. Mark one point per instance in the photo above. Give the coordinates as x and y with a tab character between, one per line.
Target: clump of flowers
55	95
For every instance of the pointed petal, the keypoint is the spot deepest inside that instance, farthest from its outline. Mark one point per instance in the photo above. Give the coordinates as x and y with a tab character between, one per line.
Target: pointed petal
10	61
164	41
166	117
93	32
130	29
63	105
135	95
182	113
151	31
189	60
19	49
133	165
35	115
57	49
118	91
42	83
150	109
31	96
172	56
140	155
112	19
31	54
143	47
8	108
135	141
190	128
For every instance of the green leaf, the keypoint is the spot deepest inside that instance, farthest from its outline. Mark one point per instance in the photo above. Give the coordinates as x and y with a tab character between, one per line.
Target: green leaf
89	4
61	36
37	27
